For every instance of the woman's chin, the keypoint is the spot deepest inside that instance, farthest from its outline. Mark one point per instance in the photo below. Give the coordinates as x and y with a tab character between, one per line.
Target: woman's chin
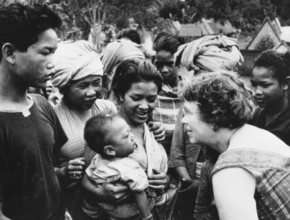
140	120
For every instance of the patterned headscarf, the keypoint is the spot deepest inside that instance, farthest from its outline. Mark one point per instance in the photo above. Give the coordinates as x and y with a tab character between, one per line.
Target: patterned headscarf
74	61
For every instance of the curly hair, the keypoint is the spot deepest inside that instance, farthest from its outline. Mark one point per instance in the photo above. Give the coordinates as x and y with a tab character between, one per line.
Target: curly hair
279	63
224	100
133	71
167	42
21	24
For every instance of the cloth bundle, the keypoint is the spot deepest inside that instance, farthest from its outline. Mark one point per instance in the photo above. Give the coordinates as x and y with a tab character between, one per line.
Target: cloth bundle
210	53
118	51
74	61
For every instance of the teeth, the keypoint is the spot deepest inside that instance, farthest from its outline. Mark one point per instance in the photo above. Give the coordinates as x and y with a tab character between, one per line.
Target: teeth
141	113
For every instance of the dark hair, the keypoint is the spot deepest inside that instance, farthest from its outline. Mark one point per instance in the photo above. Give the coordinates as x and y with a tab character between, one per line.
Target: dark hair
134	71
167	42
21	24
279	63
96	132
132	34
223	99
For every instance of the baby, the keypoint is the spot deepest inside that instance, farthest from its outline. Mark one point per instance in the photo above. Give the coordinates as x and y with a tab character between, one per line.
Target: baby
110	137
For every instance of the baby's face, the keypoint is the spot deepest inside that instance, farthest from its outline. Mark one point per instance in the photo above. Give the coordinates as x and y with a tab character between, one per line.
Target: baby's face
121	138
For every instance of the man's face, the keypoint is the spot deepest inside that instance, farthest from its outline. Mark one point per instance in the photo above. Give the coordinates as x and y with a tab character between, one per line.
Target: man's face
35	66
268	90
164	62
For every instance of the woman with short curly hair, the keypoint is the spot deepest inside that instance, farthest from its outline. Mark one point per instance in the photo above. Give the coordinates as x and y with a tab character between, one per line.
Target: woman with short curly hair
251	176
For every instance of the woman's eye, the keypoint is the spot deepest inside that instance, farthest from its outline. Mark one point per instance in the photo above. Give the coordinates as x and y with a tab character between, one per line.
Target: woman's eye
136	98
152	99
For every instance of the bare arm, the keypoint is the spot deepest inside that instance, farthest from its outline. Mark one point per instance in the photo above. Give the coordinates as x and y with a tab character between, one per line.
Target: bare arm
141	201
234	190
182	173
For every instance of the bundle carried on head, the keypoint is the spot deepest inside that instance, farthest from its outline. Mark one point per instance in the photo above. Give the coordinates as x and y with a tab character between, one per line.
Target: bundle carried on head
74	61
116	52
209	53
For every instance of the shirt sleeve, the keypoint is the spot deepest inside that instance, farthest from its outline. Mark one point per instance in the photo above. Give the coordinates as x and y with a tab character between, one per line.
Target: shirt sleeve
177	154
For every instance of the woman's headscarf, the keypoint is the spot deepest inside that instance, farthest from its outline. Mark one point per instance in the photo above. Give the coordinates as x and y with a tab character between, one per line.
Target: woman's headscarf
74	61
210	53
118	51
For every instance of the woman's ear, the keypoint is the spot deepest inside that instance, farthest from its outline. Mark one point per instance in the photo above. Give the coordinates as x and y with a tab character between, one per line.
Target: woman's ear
8	53
109	150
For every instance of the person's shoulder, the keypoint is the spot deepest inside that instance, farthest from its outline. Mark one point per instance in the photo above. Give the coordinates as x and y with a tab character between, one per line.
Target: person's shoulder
39	99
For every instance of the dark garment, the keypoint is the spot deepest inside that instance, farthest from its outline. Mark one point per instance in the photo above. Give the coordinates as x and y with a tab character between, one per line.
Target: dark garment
204	207
279	127
185	154
29	188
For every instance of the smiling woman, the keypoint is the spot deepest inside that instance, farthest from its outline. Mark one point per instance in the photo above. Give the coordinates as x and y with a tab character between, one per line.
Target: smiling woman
136	85
78	76
253	165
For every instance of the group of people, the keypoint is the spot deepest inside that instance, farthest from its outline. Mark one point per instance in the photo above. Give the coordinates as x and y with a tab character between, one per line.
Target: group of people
131	138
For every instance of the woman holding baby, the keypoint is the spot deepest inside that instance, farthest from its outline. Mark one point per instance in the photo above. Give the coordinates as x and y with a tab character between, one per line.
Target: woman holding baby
136	85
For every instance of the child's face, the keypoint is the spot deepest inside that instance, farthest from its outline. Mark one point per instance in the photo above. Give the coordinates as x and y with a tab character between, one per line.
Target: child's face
268	90
121	138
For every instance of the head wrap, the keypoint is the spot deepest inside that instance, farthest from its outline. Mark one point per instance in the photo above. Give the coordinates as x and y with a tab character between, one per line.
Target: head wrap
211	53
118	51
74	61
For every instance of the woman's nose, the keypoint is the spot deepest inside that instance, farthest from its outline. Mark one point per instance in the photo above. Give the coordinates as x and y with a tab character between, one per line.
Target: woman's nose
258	90
184	120
91	91
144	104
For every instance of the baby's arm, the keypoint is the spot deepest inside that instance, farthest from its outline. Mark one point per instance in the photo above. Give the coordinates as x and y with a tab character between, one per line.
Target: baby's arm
141	201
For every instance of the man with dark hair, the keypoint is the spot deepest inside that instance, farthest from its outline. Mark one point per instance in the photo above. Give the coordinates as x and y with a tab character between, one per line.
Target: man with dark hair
30	132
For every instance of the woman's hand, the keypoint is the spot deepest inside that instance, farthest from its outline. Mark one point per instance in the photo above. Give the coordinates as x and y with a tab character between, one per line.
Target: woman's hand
75	168
189	187
107	192
158	181
158	130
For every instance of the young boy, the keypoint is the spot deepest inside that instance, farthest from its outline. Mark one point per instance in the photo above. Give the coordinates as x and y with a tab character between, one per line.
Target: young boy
110	137
270	76
30	132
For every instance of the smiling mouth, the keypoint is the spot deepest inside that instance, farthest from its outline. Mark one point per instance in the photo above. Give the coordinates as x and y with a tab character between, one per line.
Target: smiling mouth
142	114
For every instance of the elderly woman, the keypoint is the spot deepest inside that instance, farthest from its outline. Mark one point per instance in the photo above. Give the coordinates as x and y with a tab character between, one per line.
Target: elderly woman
207	54
136	85
251	177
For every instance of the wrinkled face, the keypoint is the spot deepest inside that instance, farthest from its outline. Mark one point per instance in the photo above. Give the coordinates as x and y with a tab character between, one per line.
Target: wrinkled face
164	62
268	90
35	66
121	138
139	102
83	93
199	131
